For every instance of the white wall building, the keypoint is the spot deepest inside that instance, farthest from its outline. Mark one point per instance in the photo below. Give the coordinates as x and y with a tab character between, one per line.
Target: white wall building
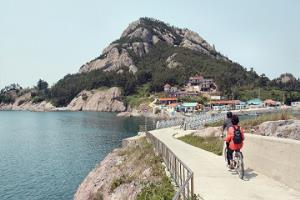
296	104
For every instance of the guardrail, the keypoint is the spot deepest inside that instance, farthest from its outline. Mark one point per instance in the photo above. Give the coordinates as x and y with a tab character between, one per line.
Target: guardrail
182	175
193	122
169	123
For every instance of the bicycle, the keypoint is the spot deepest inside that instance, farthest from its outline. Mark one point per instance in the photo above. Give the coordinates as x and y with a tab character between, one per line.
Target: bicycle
238	162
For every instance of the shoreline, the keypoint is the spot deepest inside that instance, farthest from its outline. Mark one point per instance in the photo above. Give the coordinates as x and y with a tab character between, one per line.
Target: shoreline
128	171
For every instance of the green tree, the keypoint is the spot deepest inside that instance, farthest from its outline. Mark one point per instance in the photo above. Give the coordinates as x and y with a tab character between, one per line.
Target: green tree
42	85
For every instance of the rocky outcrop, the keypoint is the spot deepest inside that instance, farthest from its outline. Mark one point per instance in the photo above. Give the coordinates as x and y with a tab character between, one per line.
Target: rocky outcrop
123	173
113	59
286	78
209	132
137	40
282	128
103	100
172	63
24	102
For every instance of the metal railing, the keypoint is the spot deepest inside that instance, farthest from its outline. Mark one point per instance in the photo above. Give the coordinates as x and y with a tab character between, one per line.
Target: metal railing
169	123
181	174
193	122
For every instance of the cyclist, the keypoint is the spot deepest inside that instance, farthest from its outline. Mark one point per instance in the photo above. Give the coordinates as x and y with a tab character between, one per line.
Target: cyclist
234	139
227	123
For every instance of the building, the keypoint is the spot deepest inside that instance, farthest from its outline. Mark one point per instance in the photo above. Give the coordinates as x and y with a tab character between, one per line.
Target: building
189	106
295	104
201	84
195	80
172	107
242	105
271	103
167	101
167	88
173	90
222	105
215	97
255	103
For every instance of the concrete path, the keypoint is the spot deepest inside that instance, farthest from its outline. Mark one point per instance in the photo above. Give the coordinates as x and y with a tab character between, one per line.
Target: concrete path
213	181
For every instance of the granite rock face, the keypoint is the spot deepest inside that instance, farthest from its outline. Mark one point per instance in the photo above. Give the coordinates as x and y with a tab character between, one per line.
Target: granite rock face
137	40
107	100
282	128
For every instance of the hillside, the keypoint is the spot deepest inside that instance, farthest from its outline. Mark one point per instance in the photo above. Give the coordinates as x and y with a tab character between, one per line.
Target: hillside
151	53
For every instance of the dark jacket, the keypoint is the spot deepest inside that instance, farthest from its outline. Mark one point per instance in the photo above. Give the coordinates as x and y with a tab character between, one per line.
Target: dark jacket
227	124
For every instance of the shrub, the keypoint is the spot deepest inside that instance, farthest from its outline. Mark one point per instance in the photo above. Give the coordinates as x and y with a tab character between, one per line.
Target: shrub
37	99
21	102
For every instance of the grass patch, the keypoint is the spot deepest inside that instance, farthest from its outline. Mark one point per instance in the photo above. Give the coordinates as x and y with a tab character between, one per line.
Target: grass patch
211	144
142	156
250	123
214	124
163	190
142	96
119	181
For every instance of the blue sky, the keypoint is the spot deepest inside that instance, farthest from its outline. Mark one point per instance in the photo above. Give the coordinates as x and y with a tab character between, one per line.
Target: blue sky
49	39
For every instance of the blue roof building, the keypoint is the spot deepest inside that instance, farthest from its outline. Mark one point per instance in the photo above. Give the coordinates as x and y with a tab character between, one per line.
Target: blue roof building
255	102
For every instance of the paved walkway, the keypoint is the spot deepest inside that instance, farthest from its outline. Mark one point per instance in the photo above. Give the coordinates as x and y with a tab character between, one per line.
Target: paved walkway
213	181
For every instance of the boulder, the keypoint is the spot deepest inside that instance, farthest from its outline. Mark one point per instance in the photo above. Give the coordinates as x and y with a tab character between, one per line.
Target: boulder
282	128
209	131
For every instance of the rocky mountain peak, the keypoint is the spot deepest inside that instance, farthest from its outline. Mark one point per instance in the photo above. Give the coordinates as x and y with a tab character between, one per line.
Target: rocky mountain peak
286	78
137	40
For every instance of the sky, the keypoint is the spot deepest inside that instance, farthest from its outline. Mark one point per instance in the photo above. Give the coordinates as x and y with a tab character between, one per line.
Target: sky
46	40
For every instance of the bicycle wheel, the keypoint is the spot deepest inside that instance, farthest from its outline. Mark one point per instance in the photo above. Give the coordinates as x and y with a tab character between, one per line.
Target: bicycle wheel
225	154
240	164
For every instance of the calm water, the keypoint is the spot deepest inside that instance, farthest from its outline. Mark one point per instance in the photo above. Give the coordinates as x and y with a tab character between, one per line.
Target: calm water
47	155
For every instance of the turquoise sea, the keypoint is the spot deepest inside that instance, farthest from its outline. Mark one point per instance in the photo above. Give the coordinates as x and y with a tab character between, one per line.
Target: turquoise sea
47	155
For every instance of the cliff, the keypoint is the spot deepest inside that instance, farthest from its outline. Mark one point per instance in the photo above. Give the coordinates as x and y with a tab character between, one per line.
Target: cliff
105	100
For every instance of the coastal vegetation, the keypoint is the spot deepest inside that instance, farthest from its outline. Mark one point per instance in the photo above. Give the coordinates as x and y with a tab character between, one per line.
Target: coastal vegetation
160	189
131	172
211	144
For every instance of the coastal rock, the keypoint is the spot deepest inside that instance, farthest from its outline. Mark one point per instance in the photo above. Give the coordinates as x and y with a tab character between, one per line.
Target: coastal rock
122	174
282	128
103	100
24	103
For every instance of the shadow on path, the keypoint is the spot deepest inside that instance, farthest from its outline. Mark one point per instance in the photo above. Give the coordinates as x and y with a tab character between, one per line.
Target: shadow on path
249	174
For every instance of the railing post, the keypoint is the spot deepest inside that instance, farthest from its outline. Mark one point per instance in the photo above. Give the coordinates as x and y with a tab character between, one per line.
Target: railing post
192	185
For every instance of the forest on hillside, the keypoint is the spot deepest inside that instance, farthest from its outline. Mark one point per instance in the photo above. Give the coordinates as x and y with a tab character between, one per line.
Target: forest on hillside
233	80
